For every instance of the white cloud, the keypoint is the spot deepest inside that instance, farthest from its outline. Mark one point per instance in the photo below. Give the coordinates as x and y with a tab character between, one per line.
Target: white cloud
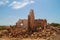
4	2
18	5
32	1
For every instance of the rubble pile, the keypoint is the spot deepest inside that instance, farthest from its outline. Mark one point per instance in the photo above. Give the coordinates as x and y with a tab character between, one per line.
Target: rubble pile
16	32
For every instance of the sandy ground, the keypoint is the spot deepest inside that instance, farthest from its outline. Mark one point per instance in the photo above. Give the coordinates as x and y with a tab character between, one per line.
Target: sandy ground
20	39
57	37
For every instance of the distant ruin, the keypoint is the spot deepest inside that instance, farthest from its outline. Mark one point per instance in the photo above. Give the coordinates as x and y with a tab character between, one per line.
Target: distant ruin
31	23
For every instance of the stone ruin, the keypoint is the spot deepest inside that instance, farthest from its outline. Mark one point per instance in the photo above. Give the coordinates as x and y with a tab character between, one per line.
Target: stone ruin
29	28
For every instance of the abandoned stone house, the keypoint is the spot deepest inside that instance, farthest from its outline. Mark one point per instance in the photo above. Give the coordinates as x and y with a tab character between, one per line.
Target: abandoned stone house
31	22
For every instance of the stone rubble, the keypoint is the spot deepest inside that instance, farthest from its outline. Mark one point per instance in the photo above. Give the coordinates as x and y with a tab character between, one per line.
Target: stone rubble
13	32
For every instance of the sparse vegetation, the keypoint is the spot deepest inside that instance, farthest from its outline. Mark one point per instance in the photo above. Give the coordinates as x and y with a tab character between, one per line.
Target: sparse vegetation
2	27
55	24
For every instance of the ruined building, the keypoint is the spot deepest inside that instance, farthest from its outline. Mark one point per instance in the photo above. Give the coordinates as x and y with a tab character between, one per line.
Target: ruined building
31	23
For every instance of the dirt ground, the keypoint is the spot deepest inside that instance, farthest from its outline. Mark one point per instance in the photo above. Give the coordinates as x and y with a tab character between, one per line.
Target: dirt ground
57	37
20	39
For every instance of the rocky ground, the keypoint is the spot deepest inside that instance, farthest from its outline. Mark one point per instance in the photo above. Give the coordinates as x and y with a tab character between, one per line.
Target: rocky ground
56	37
49	33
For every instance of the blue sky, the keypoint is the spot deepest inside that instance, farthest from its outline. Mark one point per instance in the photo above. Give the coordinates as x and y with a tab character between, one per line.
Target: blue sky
13	10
